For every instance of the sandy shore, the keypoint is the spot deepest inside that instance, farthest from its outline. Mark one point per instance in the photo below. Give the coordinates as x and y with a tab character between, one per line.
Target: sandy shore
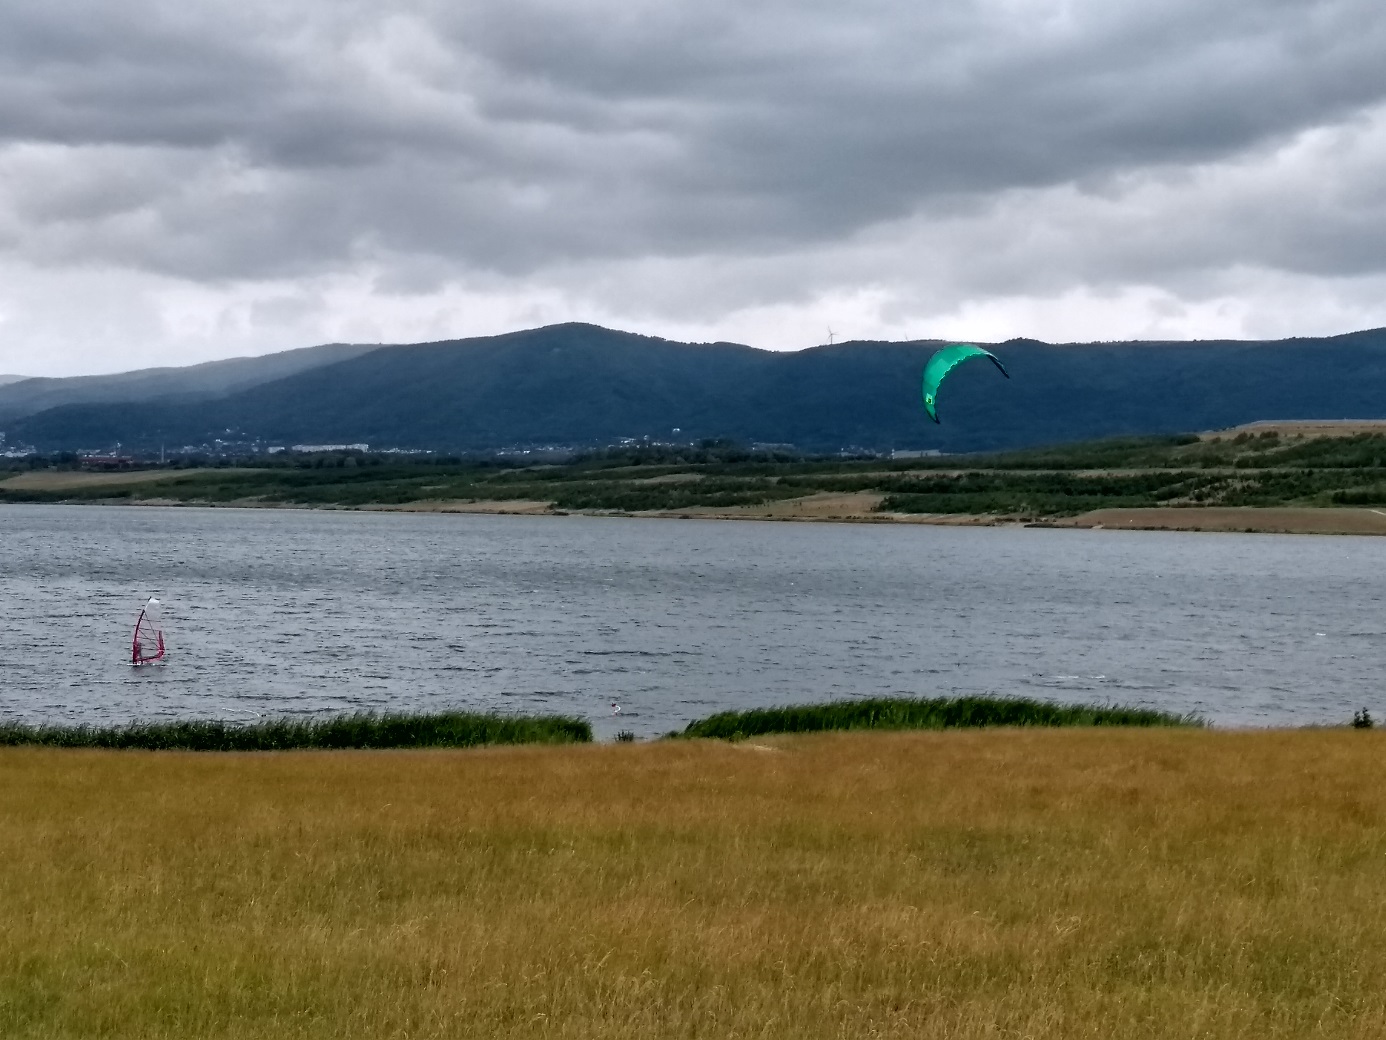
1281	520
522	507
822	508
859	507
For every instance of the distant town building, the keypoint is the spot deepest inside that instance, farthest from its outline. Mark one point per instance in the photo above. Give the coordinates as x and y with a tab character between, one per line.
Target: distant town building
106	462
309	449
925	453
15	451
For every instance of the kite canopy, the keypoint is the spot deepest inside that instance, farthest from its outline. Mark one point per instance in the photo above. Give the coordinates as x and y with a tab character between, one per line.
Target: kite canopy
943	362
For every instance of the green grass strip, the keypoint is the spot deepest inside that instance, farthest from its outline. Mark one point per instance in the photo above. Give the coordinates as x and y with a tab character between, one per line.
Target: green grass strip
924	713
363	730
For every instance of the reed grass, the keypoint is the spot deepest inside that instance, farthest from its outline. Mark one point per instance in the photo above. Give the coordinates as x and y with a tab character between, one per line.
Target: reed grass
360	730
924	713
1041	883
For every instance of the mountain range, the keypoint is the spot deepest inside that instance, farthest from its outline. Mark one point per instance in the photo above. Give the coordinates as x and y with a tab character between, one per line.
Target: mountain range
578	385
194	382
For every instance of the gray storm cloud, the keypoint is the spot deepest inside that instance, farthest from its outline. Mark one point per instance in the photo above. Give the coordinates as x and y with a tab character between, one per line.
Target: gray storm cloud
673	165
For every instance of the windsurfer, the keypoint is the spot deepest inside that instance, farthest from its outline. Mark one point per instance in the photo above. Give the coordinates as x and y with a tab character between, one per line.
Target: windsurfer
148	635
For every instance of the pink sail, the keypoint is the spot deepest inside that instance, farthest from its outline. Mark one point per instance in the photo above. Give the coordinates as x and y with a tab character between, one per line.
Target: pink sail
148	643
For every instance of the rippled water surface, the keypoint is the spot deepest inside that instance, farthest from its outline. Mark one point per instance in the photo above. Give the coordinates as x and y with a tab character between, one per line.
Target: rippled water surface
289	611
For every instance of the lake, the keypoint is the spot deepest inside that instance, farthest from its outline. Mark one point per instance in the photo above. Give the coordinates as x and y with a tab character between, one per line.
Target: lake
304	612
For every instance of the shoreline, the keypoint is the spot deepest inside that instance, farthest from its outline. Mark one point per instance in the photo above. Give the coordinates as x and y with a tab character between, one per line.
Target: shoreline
1346	520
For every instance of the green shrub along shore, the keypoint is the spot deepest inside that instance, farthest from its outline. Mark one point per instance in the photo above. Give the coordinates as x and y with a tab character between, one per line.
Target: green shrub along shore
924	713
468	729
1235	470
363	730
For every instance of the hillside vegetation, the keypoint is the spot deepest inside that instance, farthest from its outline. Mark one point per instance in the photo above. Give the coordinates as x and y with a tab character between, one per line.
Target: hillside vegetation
156	386
1242	469
583	386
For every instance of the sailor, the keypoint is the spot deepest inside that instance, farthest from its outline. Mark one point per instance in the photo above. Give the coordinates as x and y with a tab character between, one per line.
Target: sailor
137	654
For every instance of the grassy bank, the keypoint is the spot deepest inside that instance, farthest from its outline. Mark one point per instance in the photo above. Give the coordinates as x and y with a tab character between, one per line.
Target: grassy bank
469	729
1045	883
364	730
924	713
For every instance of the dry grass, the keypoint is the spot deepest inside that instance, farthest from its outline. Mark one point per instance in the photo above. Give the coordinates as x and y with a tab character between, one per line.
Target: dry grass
67	480
1301	428
1039	884
1267	520
823	506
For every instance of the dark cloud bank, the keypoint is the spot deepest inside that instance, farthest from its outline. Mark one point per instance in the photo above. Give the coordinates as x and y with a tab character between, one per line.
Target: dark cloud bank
230	177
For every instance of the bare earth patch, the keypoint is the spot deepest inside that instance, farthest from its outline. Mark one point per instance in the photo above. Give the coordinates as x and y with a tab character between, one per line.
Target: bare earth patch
827	506
1282	520
671	478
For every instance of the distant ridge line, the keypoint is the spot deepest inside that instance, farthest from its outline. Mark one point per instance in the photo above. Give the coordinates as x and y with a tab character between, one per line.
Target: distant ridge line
577	386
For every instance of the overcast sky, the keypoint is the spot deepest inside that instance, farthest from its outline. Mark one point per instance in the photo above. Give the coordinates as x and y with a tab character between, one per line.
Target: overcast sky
181	182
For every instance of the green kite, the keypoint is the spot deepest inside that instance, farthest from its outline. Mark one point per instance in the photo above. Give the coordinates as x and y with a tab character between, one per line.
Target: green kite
943	362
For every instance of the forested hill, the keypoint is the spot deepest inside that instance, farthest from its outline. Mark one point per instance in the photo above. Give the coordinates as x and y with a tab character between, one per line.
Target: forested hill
21	396
584	385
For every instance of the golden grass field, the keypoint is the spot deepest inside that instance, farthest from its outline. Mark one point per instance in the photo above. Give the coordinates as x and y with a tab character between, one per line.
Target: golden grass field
1040	884
76	480
69	480
1301	428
